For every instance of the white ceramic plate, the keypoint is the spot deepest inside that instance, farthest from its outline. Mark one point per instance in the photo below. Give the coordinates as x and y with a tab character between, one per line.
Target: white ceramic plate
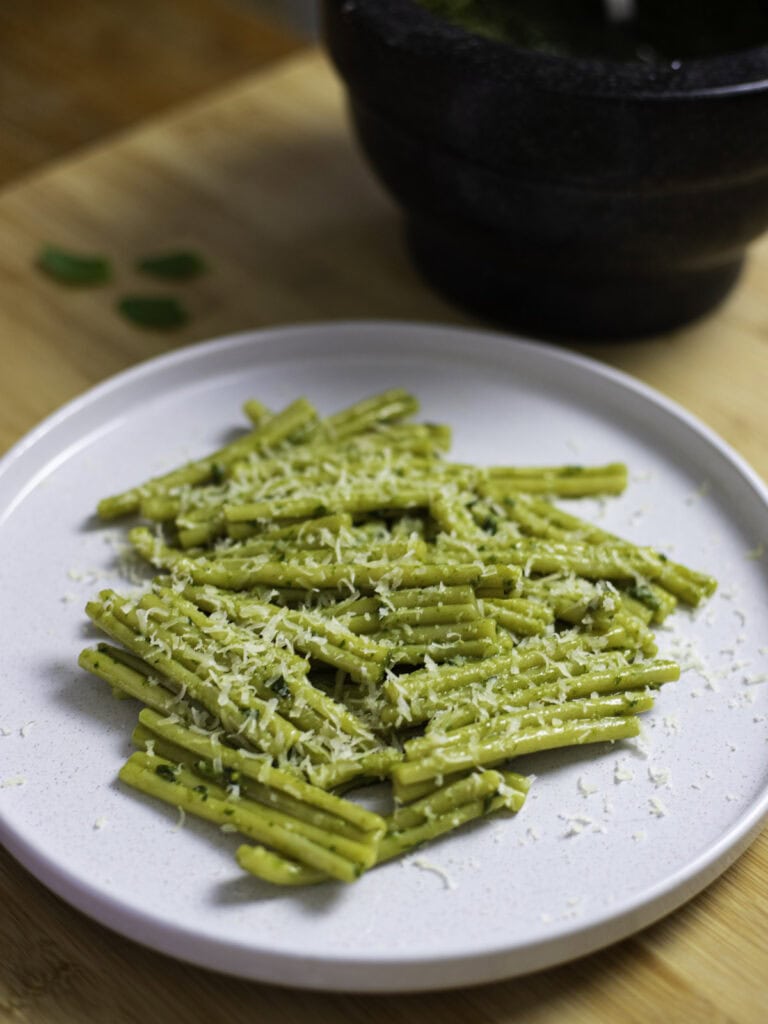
610	839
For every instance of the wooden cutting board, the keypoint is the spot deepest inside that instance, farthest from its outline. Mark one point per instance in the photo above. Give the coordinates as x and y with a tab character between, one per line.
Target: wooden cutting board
264	180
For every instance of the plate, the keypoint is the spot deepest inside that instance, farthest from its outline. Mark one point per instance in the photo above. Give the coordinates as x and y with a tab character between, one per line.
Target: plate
609	840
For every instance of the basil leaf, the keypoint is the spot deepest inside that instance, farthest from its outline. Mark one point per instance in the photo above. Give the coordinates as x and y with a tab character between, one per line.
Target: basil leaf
71	268
173	266
159	312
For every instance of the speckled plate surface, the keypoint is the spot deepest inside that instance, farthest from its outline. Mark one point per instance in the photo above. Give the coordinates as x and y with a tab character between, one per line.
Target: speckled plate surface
610	839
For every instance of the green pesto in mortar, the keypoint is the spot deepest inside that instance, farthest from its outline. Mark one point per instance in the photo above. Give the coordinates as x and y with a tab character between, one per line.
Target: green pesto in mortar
663	30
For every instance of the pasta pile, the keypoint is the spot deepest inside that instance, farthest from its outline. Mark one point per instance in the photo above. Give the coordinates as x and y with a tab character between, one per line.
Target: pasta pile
337	603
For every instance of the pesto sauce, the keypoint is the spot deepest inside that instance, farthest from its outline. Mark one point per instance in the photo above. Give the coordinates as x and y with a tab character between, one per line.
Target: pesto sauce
663	31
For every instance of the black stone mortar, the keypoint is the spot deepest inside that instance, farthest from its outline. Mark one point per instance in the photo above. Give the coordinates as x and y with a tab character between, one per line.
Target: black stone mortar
564	196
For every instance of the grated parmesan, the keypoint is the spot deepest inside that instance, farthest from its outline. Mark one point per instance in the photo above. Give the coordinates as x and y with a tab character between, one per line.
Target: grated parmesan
436	869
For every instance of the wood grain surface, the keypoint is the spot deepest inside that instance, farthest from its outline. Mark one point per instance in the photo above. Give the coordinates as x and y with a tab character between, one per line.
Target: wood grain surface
263	178
75	71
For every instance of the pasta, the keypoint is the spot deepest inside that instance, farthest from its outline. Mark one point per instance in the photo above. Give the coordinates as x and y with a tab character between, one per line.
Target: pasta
336	603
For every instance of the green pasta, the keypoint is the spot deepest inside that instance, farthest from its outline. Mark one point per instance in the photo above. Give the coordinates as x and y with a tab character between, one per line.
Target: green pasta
338	605
222	759
174	785
491	750
275	430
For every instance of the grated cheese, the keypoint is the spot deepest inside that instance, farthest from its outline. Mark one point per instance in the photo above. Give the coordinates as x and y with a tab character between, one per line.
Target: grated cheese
576	824
428	865
586	788
622	774
657	808
658	776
